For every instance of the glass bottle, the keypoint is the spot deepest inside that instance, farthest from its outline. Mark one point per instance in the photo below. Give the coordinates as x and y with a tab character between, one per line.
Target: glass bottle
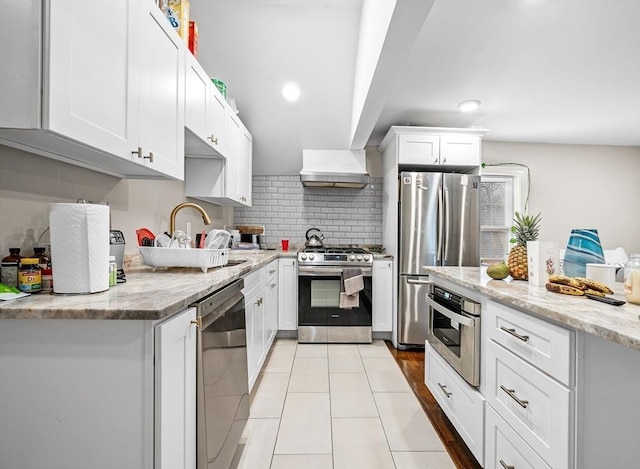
9	268
41	254
30	275
632	279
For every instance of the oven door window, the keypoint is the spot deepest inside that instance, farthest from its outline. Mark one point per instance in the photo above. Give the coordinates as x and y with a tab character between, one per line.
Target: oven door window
447	331
325	293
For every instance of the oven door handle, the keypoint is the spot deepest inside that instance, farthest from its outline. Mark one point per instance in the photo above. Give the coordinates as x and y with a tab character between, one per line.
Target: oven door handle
318	271
465	321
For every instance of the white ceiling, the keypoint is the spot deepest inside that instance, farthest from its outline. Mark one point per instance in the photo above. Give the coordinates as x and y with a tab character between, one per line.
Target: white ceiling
553	71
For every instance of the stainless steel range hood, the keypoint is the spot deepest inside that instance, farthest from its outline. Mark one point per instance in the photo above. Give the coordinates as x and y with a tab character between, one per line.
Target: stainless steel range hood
334	169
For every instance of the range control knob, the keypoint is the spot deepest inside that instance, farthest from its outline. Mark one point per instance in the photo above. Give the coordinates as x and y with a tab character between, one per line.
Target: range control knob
352	257
366	258
311	257
303	257
359	257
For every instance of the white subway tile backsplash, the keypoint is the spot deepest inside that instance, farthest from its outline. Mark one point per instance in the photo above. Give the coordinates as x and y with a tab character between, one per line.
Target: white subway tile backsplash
288	210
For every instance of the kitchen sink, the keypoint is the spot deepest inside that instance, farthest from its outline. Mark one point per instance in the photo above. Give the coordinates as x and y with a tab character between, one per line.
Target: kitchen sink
234	262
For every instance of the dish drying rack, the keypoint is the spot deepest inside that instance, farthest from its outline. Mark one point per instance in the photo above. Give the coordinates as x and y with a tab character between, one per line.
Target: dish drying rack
180	257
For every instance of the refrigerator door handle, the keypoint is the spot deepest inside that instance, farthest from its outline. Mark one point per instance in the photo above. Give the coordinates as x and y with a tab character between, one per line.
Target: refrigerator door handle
419	282
447	217
440	225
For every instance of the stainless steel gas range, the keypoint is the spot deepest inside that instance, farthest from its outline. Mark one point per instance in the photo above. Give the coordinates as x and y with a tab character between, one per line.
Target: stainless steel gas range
320	282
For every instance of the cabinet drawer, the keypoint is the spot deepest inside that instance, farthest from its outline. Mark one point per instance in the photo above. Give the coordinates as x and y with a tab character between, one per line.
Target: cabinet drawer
544	345
505	448
537	407
463	404
271	272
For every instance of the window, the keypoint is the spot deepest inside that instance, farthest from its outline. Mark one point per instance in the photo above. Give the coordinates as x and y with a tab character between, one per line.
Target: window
501	195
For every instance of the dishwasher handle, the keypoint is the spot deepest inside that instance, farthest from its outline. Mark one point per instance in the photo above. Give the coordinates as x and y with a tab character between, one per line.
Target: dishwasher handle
220	311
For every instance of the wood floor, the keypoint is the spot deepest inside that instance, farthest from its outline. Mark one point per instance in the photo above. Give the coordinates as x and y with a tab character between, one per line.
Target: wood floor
411	363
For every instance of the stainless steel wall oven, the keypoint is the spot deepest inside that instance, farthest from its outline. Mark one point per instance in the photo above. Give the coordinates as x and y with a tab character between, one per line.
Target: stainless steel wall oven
320	318
454	331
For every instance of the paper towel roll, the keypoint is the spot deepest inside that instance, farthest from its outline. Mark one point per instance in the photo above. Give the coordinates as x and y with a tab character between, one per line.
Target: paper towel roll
79	247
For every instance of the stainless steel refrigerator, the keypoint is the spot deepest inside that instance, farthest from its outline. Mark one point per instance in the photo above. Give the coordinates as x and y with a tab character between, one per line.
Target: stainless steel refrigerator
438	224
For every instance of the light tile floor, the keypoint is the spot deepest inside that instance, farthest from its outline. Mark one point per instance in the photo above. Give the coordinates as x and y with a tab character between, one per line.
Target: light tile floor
319	406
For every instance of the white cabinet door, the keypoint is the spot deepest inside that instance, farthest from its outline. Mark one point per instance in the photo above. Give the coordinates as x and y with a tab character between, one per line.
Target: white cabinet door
419	149
232	163
216	123
288	294
161	117
90	82
204	113
256	335
271	303
176	392
245	170
197	95
382	295
463	150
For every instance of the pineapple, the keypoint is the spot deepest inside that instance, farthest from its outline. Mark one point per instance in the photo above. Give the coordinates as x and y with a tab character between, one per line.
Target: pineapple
526	228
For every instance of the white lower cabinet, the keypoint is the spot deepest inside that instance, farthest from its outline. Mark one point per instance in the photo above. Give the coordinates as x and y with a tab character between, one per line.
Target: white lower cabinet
175	395
261	304
529	370
382	302
537	407
463	404
505	449
97	394
288	294
271	302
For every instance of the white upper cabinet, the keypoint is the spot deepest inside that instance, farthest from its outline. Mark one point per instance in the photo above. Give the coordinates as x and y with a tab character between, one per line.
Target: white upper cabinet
439	147
224	181
204	113
89	90
161	117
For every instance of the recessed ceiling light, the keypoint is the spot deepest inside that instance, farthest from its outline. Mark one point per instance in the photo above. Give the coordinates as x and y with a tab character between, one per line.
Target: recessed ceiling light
469	106
291	91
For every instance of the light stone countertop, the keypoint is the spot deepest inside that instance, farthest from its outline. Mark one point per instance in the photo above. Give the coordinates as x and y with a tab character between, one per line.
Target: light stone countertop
619	324
148	294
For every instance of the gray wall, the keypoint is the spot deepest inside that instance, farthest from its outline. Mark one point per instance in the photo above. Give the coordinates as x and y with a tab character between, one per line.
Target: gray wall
288	210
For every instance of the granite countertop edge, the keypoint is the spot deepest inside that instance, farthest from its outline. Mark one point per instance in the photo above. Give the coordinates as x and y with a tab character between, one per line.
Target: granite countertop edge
148	294
618	324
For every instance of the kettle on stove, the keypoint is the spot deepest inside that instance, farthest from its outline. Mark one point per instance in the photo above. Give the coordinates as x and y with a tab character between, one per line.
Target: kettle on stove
314	241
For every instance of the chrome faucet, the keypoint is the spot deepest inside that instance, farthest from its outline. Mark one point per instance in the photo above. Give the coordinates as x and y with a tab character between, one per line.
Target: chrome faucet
174	212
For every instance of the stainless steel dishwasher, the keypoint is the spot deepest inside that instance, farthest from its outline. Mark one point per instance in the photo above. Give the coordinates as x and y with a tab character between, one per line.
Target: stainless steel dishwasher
222	379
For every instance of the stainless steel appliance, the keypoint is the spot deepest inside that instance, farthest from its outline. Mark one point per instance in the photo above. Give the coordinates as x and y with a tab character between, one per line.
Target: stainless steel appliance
116	248
439	224
320	318
222	378
454	331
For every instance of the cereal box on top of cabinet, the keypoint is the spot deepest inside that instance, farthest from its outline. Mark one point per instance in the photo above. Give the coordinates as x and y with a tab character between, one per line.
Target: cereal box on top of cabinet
177	12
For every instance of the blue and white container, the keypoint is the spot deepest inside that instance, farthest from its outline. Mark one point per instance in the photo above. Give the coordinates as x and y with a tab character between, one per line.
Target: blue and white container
583	248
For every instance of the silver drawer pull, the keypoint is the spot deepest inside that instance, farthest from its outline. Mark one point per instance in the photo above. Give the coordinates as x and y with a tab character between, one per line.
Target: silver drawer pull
444	390
506	466
513	332
512	395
